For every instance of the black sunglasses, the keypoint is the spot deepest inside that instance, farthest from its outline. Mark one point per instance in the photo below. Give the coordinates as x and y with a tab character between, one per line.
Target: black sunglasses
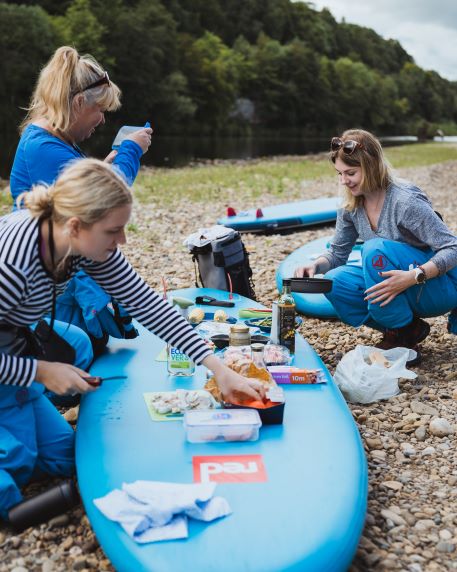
104	80
348	146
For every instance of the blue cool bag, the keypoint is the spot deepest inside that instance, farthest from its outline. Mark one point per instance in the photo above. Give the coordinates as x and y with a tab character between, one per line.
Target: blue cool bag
87	306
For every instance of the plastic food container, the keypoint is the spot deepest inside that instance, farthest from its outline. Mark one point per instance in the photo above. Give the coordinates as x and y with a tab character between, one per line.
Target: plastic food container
271	415
222	425
274	354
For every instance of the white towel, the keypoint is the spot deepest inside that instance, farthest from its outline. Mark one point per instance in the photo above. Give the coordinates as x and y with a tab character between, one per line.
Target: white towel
150	511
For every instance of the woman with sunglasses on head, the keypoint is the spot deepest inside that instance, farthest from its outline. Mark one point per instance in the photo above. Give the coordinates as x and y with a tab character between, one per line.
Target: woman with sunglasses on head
409	256
77	223
69	102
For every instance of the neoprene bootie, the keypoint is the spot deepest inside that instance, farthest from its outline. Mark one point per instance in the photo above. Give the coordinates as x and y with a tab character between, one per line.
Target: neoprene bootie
406	337
44	506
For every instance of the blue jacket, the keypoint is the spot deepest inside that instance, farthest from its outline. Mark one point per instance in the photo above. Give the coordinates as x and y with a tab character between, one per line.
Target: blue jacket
40	156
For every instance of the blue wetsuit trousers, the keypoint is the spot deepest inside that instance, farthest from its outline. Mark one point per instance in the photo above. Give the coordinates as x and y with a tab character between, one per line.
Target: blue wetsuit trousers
434	298
34	437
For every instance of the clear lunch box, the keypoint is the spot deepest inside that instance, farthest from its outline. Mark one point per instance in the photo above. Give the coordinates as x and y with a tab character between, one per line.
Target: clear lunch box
219	425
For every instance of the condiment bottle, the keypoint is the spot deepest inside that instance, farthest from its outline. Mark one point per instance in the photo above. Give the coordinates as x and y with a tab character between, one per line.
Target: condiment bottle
257	355
286	317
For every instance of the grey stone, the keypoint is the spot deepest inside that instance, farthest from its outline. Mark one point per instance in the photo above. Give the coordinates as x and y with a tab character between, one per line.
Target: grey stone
423	409
79	563
445	546
59	521
393	516
440	427
445	534
428	451
424	524
48	565
420	433
407	449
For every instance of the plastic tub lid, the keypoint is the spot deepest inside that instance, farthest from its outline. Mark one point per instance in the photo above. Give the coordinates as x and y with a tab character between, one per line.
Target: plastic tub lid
216	418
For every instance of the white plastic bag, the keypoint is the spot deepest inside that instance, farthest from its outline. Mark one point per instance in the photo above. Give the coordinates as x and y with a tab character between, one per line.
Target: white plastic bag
362	382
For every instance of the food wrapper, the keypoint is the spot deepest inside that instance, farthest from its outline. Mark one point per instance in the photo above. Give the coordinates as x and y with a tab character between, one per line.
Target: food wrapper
295	375
245	367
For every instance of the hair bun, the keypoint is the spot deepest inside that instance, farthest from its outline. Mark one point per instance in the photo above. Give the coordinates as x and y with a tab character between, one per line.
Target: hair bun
39	201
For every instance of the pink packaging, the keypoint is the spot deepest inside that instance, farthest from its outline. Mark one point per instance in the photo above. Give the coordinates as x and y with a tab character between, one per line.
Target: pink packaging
286	374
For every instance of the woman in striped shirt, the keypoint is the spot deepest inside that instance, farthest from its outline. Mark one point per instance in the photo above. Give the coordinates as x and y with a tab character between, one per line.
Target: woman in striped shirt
75	224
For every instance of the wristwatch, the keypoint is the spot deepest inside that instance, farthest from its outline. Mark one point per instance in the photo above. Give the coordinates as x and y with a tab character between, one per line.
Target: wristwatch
420	275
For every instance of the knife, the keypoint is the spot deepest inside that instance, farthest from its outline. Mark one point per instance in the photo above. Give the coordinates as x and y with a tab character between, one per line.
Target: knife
96	381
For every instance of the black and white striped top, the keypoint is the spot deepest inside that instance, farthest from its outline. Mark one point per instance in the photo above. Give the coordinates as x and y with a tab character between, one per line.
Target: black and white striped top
26	294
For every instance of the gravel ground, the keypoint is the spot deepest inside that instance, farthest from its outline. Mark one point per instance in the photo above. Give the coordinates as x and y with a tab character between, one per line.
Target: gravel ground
412	506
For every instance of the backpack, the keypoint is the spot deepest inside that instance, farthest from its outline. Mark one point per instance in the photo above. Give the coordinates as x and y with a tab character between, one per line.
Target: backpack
86	305
222	260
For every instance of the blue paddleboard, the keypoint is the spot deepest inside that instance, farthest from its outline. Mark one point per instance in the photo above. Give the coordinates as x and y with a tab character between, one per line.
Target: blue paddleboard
306	514
285	216
312	304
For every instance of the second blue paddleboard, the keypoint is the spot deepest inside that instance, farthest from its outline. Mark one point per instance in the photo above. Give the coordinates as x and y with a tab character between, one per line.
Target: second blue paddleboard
285	216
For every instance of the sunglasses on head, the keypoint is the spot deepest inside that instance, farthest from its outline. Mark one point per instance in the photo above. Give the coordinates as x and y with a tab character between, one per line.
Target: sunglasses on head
348	146
104	80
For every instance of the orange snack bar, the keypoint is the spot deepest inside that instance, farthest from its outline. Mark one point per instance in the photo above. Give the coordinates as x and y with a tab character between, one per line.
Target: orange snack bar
286	374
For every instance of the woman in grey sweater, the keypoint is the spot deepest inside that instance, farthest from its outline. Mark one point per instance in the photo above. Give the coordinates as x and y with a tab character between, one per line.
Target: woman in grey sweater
409	256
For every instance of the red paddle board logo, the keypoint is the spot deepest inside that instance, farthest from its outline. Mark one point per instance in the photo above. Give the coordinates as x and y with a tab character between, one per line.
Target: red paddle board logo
379	261
229	469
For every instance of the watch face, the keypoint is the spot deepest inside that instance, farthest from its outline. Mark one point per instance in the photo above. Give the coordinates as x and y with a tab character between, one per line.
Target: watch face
420	277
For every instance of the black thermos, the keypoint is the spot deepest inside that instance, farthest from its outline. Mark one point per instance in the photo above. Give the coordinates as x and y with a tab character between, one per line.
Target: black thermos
44	506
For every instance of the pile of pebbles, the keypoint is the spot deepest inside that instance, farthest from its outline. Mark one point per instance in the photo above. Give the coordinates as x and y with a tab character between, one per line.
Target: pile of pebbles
409	439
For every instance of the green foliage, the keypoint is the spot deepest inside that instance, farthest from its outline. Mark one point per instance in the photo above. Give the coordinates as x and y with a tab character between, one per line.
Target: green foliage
142	41
80	28
189	66
212	71
27	40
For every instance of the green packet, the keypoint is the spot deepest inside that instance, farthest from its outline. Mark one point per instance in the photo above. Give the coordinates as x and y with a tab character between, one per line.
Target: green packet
247	313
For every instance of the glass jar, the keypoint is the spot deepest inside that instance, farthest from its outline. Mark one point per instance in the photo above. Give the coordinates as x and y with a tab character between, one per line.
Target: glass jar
240	340
257	355
239	335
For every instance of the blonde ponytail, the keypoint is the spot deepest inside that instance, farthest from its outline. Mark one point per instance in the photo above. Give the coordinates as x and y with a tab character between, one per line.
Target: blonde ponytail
65	75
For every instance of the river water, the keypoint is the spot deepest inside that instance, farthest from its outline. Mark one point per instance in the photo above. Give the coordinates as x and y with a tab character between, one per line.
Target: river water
180	151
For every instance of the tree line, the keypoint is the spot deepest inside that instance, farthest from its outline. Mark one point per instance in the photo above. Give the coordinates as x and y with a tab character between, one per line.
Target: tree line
228	66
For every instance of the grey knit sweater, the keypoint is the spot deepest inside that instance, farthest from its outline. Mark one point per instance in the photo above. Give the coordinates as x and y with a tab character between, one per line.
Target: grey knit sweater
407	216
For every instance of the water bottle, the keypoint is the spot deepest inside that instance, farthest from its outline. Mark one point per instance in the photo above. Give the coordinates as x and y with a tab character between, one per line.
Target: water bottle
44	506
124	132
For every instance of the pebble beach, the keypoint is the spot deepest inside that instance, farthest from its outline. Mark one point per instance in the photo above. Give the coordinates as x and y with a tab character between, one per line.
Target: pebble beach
411	523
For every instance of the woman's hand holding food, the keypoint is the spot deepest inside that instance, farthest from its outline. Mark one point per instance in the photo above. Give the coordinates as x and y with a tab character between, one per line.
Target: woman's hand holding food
62	378
142	137
397	281
234	387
